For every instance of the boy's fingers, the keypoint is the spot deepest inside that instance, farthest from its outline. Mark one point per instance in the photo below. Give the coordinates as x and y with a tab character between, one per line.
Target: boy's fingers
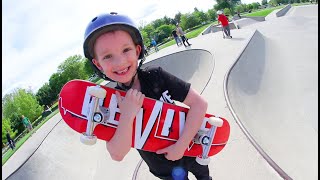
162	151
119	98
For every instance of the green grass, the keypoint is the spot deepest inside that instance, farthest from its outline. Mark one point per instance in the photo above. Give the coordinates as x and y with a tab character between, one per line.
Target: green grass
99	81
263	13
21	141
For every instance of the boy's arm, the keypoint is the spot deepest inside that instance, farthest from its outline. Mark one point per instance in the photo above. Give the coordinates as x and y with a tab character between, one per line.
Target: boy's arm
120	144
198	107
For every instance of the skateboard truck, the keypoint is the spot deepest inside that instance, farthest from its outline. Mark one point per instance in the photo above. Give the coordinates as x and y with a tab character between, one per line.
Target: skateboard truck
205	138
96	92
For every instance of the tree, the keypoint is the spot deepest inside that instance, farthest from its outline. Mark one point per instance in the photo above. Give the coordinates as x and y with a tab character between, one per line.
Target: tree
145	37
45	95
229	4
164	31
6	126
56	83
71	68
212	14
201	16
177	18
188	21
20	102
168	20
273	2
157	23
87	67
255	5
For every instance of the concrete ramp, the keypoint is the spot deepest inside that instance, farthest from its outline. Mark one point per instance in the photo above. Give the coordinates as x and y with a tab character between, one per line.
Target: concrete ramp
194	66
245	22
272	89
63	156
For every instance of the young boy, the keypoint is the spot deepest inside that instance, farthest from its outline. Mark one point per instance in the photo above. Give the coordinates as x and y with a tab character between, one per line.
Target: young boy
113	45
224	23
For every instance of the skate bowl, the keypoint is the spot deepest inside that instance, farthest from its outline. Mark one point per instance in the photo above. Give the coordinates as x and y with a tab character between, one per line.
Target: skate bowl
272	92
194	66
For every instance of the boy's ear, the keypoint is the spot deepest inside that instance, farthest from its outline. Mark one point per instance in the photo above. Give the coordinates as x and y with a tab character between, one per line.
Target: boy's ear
138	49
97	64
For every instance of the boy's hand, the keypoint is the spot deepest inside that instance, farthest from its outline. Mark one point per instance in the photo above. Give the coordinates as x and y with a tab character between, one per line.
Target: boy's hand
130	105
173	152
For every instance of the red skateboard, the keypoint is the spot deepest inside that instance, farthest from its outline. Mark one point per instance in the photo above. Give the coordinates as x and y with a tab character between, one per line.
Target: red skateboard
92	110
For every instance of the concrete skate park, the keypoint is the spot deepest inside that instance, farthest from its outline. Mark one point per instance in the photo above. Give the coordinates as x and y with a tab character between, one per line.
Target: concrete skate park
263	80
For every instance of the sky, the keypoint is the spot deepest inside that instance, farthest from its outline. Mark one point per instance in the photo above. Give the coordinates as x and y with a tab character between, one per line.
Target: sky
37	35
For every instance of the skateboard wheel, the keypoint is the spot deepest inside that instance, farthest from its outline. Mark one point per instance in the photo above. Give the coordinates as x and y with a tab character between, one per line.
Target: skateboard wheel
97	92
215	121
88	140
202	161
97	117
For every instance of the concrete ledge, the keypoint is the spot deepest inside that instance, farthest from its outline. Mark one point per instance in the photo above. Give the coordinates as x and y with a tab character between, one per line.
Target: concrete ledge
283	11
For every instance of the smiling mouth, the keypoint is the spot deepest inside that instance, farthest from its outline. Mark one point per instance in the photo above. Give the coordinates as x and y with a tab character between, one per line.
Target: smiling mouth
123	71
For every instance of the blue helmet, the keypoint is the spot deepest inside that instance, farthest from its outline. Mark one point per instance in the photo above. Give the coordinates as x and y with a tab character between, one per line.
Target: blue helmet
109	22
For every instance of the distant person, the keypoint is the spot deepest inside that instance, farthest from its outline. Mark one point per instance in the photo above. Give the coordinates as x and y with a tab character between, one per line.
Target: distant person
176	38
224	23
145	50
10	141
238	13
26	123
181	33
154	44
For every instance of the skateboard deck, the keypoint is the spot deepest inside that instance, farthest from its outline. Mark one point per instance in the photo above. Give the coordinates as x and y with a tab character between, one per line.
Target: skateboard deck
157	125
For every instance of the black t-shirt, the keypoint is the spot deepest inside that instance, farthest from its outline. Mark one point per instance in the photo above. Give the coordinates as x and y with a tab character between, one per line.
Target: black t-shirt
161	85
158	84
174	33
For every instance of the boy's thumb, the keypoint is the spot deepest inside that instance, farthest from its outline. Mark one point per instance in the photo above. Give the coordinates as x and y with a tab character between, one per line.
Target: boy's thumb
161	151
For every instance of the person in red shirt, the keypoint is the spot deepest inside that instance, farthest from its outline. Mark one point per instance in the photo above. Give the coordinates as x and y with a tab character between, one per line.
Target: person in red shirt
224	23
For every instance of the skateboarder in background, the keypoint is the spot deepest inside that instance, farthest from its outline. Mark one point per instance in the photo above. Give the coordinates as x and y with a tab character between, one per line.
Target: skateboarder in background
181	33
113	44
224	23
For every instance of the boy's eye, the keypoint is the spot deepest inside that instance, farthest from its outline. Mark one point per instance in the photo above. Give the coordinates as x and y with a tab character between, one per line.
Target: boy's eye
107	57
126	49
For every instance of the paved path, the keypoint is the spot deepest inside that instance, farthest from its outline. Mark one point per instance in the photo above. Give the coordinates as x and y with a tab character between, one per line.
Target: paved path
266	75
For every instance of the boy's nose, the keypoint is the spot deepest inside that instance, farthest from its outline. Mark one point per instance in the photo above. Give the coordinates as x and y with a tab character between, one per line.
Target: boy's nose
120	60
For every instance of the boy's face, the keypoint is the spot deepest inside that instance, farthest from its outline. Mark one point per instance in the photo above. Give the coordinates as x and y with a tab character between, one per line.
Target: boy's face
116	56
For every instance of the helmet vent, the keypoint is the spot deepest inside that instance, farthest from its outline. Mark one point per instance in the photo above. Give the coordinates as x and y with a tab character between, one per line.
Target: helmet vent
94	19
113	13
